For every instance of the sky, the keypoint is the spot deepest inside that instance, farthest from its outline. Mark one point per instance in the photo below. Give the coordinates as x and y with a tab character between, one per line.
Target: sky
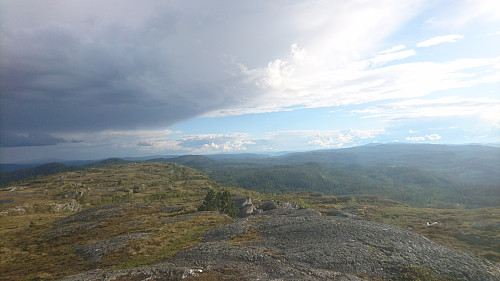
97	79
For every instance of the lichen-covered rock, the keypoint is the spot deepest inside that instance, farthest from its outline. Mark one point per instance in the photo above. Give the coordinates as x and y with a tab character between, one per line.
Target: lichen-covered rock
246	211
245	206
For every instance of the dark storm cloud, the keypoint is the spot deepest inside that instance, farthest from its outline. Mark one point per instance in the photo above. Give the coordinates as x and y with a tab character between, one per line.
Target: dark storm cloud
68	70
92	86
90	66
33	139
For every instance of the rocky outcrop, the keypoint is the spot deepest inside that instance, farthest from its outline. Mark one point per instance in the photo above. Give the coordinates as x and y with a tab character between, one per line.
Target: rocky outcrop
245	207
84	220
301	244
95	251
71	206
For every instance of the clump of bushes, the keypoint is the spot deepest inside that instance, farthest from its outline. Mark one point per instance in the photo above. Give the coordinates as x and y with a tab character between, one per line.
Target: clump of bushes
221	201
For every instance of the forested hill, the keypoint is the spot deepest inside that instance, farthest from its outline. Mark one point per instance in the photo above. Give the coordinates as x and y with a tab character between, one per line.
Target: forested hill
468	164
464	164
420	175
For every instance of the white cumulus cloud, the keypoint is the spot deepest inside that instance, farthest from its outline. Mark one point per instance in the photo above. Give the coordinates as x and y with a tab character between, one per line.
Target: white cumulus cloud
214	143
286	84
323	138
433	137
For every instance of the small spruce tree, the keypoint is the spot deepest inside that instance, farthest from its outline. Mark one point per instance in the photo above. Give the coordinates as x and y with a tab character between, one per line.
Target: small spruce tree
226	203
210	202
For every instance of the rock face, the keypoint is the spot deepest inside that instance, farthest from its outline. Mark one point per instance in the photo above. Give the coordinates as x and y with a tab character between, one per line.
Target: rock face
291	244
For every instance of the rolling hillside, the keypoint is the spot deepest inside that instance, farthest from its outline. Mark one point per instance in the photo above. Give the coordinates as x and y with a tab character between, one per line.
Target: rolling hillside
139	220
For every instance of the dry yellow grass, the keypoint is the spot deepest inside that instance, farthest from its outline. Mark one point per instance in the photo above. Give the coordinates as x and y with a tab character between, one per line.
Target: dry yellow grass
248	235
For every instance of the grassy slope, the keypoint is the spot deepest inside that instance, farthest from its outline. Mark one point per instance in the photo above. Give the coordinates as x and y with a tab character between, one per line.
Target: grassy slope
145	190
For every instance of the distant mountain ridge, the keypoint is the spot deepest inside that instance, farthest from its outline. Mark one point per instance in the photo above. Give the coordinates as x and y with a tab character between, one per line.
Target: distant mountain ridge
450	159
412	173
7	177
468	164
